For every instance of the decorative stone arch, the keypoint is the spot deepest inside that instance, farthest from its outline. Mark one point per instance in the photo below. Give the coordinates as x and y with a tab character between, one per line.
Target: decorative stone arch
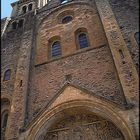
30	6
63	14
24	9
9	67
81	30
50	42
7	72
100	109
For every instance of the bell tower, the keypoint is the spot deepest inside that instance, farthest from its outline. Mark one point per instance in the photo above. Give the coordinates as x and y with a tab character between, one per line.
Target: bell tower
22	7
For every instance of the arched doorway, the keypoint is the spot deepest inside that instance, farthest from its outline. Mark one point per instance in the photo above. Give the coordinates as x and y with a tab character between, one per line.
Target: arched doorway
80	120
80	124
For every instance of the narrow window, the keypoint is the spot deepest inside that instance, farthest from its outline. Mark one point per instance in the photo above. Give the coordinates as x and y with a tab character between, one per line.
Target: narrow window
24	9
20	24
30	7
21	83
14	25
7	75
63	1
66	19
5	118
56	49
121	54
82	38
137	37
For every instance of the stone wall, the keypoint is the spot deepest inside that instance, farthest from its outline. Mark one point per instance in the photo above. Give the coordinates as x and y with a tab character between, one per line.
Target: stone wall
127	15
37	78
85	17
16	45
92	70
10	53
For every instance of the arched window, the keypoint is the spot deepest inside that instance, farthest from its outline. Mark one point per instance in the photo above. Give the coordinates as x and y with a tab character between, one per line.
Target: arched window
137	37
30	7
56	49
121	54
66	19
7	75
24	9
63	1
14	25
82	39
4	119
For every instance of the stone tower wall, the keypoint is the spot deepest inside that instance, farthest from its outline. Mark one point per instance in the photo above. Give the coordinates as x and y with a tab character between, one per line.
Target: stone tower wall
16	47
37	78
127	16
95	60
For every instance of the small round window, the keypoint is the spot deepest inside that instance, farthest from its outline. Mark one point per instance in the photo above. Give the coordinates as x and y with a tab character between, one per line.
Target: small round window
66	19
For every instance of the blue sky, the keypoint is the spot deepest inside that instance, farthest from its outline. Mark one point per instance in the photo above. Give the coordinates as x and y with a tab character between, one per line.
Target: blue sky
6	8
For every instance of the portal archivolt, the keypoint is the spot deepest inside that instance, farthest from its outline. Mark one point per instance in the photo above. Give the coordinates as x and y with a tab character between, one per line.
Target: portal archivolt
80	120
80	124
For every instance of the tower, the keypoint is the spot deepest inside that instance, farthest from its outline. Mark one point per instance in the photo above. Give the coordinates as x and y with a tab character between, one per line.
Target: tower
70	70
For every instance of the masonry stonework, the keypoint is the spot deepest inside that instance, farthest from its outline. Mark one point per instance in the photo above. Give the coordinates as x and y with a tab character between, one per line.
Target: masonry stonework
84	93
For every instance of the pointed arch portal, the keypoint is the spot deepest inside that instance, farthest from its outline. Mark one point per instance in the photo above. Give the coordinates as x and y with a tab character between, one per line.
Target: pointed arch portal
75	114
80	120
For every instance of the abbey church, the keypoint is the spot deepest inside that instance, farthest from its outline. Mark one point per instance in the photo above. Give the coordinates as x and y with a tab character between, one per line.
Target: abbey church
70	70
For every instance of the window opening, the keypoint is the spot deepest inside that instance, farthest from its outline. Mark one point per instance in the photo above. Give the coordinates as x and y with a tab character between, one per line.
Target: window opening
121	54
30	7
56	49
63	1
66	19
7	75
82	38
5	118
24	9
20	83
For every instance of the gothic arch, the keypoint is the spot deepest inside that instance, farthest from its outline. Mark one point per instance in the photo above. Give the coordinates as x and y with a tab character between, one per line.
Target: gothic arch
36	129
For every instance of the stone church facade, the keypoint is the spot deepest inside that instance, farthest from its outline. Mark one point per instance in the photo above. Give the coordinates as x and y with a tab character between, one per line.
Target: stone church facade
69	70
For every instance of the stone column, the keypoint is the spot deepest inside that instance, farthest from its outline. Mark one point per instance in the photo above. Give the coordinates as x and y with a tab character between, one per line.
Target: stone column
127	73
18	106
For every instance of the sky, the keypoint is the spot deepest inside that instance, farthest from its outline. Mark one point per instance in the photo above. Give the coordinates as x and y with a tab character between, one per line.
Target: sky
6	8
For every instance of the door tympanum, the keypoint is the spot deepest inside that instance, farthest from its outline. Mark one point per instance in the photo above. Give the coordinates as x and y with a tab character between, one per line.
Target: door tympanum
83	126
